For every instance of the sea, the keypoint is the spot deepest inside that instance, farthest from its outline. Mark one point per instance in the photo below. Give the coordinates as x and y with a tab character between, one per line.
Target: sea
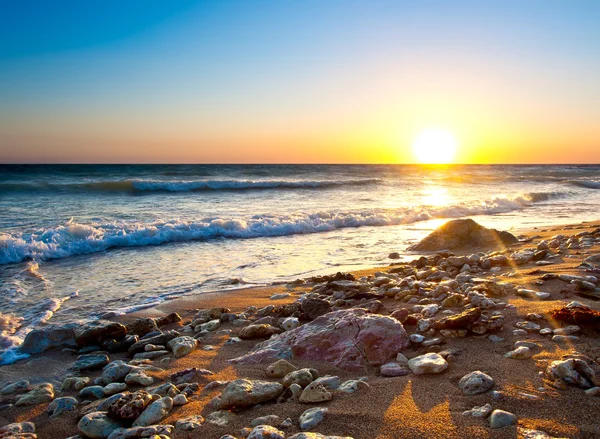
80	241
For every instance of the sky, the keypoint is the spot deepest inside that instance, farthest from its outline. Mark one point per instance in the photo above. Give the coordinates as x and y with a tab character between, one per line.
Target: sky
285	81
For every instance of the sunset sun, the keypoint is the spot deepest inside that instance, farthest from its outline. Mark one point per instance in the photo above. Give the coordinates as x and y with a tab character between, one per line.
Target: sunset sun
435	146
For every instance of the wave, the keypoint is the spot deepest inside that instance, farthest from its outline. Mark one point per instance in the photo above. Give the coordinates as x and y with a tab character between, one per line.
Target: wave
133	186
75	239
589	184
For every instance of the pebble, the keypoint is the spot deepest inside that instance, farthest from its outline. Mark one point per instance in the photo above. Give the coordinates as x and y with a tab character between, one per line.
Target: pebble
501	419
266	432
18	387
61	405
428	363
97	425
155	412
520	353
476	382
393	369
479	412
312	417
315	392
39	395
189	423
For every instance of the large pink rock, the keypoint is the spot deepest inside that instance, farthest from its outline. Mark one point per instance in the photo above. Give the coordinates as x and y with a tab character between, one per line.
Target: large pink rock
349	339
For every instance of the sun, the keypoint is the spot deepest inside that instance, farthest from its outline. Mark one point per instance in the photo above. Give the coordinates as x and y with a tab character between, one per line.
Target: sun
435	146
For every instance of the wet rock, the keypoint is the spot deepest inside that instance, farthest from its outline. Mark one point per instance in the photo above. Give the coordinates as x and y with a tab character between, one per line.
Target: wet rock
40	340
97	425
17	387
279	369
95	332
90	361
74	383
501	419
464	233
349	339
428	363
315	392
311	417
160	339
39	395
61	405
92	392
246	393
476	382
115	371
155	412
142	326
181	346
130	405
313	308
189	423
266	432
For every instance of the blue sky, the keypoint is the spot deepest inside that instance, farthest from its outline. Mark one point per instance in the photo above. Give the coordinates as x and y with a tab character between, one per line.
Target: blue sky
183	80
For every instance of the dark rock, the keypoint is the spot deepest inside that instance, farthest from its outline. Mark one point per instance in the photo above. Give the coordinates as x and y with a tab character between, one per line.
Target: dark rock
258	331
578	315
120	345
168	319
95	332
91	361
130	405
459	321
464	233
161	339
40	340
142	326
313	308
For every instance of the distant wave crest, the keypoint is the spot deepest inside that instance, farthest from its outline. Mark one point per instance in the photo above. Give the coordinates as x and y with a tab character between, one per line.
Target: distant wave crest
589	184
73	238
132	186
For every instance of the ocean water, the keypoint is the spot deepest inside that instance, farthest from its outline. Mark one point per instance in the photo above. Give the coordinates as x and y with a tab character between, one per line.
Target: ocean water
79	241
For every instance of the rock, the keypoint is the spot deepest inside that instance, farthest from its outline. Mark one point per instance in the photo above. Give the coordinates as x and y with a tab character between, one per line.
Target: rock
526	433
95	332
279	369
428	363
221	417
272	420
416	338
160	339
92	392
97	425
567	330
459	321
182	346
313	308
479	412
139	378
130	405
155	412
168	319
520	353
115	371
246	393
290	323
180	400
18	430
302	377
210	326
17	387
152	432
334	338
464	233
187	375
39	395
476	382
40	340
142	326
266	432
189	423
91	361
315	392
74	383
501	419
61	405
258	331
151	355
393	369
312	417
352	386
573	371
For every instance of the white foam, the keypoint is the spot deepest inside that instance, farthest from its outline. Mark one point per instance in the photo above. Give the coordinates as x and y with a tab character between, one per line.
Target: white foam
74	238
11	356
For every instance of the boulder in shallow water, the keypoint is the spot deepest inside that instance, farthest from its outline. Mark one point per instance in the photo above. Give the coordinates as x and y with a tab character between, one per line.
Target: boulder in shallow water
350	339
40	340
464	233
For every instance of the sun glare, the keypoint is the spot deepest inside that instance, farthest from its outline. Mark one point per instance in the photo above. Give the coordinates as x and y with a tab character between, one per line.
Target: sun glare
435	146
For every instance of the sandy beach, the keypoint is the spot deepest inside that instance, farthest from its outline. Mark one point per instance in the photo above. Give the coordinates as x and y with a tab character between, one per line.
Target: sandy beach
410	405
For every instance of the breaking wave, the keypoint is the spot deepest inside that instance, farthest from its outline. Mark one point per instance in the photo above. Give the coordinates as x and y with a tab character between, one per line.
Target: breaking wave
74	239
589	184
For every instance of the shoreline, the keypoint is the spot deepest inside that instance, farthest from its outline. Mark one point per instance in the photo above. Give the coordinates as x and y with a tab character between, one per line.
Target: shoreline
410	405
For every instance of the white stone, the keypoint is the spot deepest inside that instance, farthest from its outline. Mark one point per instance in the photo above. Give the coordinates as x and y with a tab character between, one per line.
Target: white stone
428	363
